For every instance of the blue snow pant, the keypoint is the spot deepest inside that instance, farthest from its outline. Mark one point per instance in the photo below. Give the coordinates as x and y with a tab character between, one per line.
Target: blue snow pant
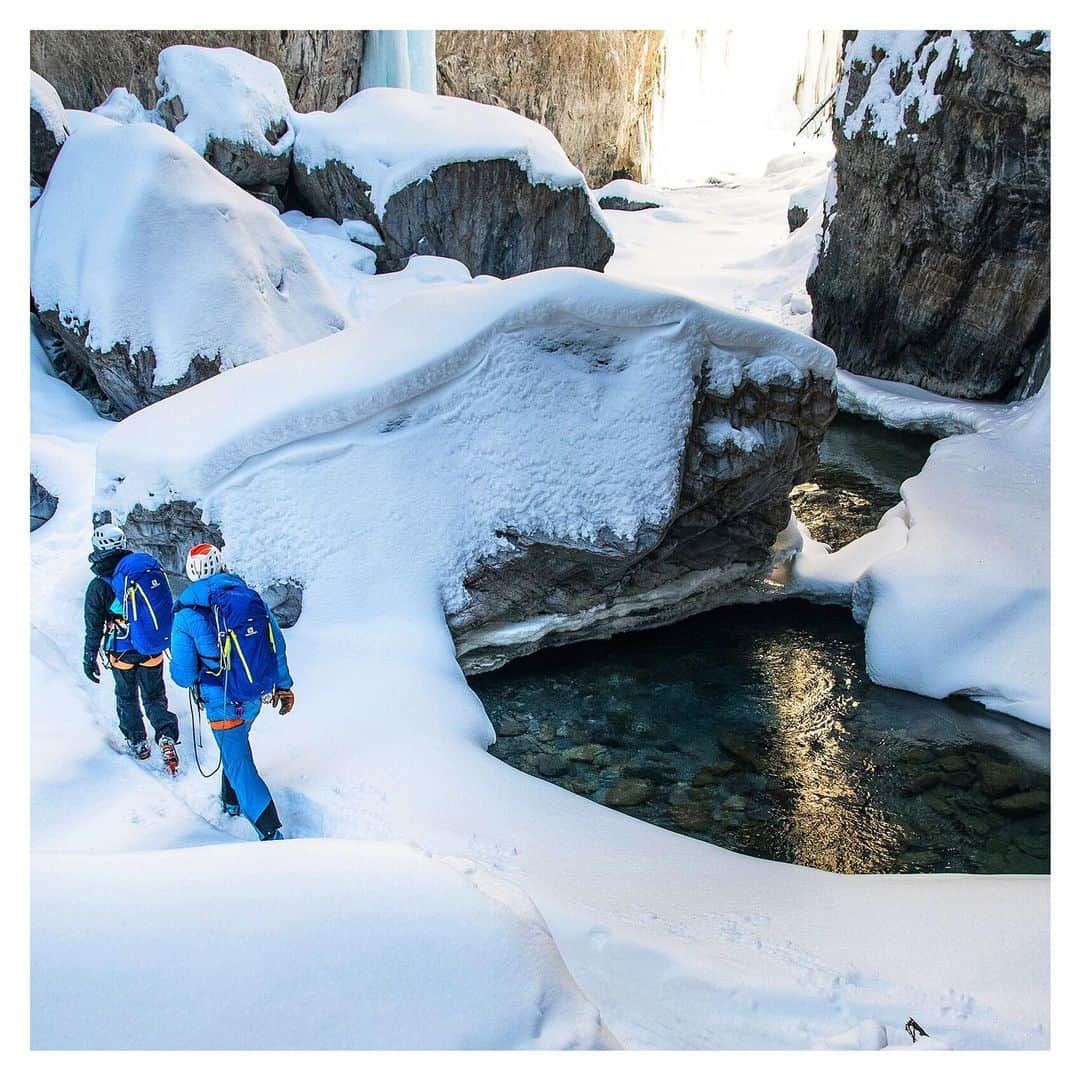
241	784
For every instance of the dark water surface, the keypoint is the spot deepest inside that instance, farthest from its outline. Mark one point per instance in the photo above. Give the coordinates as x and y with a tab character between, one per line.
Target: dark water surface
756	727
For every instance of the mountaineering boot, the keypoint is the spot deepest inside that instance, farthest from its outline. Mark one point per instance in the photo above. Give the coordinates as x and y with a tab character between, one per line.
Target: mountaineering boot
275	835
232	809
140	749
168	754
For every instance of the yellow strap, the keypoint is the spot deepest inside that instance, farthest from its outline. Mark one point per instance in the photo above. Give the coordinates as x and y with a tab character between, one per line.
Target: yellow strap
240	653
148	606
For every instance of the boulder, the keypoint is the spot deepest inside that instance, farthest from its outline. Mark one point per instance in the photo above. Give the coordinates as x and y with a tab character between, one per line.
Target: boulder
625	194
230	107
43	503
119	268
321	68
625	793
934	266
443	176
797	216
48	128
169	532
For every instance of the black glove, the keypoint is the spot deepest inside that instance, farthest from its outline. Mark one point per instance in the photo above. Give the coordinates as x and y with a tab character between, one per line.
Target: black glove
90	666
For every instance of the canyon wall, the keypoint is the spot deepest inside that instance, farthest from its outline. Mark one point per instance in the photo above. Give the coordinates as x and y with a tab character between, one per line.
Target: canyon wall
594	89
321	67
934	266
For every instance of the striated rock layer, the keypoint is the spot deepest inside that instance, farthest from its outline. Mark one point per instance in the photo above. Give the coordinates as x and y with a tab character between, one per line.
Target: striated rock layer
594	89
321	68
935	263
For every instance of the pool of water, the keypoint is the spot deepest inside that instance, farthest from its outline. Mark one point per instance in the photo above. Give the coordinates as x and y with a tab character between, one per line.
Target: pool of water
862	467
756	727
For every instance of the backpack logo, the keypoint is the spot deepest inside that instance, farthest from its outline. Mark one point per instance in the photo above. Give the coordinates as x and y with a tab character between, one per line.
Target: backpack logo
250	632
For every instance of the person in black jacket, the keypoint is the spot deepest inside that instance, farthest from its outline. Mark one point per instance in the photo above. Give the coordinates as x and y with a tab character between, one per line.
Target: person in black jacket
135	675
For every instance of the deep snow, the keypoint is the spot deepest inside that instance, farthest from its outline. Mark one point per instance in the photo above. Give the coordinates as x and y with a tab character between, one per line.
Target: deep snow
679	944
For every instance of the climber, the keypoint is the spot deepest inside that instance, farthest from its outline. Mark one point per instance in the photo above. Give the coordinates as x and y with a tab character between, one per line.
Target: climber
128	604
227	646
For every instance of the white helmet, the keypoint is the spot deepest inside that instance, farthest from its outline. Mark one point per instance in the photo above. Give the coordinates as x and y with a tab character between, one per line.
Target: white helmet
203	561
108	537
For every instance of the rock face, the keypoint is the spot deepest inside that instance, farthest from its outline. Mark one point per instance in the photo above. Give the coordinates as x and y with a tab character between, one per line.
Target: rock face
48	129
523	226
593	89
321	68
170	531
733	504
43	504
934	267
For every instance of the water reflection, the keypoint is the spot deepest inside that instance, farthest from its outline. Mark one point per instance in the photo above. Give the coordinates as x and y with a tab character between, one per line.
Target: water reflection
757	729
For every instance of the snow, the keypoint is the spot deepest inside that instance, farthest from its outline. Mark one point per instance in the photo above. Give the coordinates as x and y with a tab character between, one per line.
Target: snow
402	58
630	190
881	108
1024	36
400	950
227	94
120	240
125	108
910	408
729	245
679	944
392	138
45	101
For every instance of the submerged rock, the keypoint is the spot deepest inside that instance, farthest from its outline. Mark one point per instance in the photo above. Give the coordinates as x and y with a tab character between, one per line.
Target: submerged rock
935	263
633	792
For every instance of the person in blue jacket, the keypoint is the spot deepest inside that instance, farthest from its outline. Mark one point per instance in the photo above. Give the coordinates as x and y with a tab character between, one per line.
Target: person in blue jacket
230	709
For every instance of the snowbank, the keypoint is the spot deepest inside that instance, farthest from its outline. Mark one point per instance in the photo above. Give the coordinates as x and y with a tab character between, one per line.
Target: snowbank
382	948
910	408
954	584
45	101
392	137
964	607
124	107
122	243
226	94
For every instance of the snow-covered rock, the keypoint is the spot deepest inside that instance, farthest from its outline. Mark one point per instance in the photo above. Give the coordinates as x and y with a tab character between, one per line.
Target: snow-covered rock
230	107
582	456
444	176
157	272
628	195
48	128
382	947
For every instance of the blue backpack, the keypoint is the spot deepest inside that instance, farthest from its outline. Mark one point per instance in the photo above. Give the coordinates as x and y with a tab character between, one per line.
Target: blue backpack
146	602
247	667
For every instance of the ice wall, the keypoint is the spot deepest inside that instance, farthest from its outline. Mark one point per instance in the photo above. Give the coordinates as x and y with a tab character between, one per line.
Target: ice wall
734	99
404	58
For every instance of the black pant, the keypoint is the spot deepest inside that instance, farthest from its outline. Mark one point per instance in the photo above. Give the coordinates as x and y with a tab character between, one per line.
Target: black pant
148	683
